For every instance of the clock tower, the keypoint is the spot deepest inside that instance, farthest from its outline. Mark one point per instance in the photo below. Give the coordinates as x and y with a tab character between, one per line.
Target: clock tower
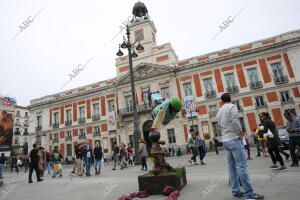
143	29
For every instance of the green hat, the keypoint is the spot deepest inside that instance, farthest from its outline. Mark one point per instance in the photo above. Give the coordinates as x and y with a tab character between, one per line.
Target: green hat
176	103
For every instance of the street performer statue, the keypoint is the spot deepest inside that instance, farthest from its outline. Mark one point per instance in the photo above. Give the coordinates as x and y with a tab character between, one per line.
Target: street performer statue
163	112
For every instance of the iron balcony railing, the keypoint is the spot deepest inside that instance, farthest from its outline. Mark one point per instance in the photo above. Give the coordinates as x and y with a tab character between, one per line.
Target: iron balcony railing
97	133
55	125
82	120
280	79
233	89
82	136
287	101
68	138
55	140
140	108
38	128
96	117
211	94
68	123
213	113
256	85
261	105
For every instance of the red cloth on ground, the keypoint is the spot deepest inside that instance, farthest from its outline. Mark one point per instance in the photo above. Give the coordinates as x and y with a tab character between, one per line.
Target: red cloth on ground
140	194
171	192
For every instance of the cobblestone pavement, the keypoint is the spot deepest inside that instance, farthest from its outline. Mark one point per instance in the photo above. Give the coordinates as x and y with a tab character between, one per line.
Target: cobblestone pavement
209	182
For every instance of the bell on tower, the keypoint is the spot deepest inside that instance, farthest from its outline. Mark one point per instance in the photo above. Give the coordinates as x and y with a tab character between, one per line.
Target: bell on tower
140	10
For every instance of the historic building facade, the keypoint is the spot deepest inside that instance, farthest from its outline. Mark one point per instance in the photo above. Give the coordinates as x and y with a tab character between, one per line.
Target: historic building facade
261	76
21	125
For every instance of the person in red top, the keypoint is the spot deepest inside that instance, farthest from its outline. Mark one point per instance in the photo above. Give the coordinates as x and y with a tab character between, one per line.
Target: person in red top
130	154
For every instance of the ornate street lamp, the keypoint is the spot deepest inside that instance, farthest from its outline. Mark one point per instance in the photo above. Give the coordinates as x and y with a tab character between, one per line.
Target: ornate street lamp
126	44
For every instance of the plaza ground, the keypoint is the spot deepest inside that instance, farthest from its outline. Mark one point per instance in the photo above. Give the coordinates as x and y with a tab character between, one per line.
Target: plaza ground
209	182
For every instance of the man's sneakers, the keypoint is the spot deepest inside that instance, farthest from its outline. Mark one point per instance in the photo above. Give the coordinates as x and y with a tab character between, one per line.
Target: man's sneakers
282	168
30	181
294	165
202	163
237	196
40	180
255	196
274	167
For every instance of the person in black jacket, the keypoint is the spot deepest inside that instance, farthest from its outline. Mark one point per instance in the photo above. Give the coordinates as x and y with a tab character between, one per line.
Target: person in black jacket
33	165
98	157
273	140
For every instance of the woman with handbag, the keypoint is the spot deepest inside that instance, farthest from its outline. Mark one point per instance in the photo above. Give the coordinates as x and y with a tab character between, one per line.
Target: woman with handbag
269	130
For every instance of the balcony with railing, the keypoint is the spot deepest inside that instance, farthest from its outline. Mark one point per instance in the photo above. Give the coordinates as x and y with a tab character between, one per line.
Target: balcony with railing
68	123
141	108
38	128
211	94
256	85
55	140
82	136
96	133
68	138
213	113
281	80
17	132
81	120
55	125
96	117
233	89
287	101
261	105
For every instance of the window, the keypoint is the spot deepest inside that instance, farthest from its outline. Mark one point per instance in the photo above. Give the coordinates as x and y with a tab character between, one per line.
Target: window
131	140
69	115
213	110
230	80
111	105
112	142
55	135
39	121
25	131
18	122
128	102
237	103
96	130
56	118
81	133
285	97
277	70
194	127
69	134
187	88
216	129
208	85
82	112
260	101
18	114
165	93
26	114
69	149
96	110
171	136
243	125
253	75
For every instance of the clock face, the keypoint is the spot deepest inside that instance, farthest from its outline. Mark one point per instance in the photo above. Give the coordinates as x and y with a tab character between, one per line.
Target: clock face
139	35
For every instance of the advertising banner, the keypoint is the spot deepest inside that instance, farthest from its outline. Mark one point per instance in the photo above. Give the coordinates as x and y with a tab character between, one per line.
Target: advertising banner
112	122
6	129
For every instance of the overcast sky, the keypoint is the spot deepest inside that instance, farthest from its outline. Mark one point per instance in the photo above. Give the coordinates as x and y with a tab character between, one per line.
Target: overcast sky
66	33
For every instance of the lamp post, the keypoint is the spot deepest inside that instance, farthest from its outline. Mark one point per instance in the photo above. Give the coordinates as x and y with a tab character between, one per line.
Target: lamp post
127	45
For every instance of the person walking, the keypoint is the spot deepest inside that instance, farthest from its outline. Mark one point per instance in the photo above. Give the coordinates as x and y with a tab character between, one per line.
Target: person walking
192	147
200	145
144	154
256	142
3	160
88	159
216	144
79	160
42	161
56	159
269	130
130	154
262	142
123	156
116	153
229	124
246	146
48	161
293	128
98	158
33	165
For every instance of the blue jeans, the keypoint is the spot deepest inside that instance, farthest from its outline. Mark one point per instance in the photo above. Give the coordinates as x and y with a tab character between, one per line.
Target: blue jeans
1	169
87	162
237	166
202	152
98	164
48	167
